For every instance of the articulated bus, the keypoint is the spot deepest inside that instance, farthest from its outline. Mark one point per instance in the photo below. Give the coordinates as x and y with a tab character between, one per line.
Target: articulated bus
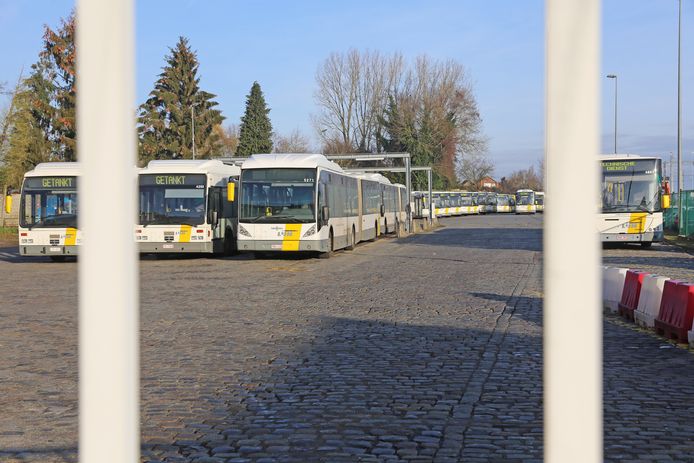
48	211
468	203
441	204
632	199
525	202
187	206
383	206
540	201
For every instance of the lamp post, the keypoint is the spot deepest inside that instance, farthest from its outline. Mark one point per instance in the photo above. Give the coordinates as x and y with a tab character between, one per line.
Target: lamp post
679	115
614	76
192	122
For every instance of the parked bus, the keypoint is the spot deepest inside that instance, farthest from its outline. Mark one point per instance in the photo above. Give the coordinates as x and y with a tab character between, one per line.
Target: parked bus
503	203
468	203
302	202
632	199
48	211
491	202
441	204
382	204
187	206
540	201
481	198
525	202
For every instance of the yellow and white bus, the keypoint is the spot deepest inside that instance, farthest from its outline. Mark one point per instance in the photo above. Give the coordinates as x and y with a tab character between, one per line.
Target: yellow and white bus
301	202
525	202
187	206
540	201
632	199
468	203
48	211
503	204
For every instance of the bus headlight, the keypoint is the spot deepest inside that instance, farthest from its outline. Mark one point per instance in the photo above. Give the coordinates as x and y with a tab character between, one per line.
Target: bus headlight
310	231
243	231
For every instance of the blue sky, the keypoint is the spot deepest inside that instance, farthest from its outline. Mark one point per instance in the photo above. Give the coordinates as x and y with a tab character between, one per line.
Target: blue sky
501	43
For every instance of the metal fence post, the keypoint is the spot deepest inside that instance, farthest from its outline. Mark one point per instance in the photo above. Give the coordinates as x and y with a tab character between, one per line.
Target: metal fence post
572	312
431	207
108	271
408	187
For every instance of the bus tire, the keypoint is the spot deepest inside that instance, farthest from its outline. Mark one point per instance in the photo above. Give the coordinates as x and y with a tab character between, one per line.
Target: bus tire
57	258
385	226
353	241
397	228
646	244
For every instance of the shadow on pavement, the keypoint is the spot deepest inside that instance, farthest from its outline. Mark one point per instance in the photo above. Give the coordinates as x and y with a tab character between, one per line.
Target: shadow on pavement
525	239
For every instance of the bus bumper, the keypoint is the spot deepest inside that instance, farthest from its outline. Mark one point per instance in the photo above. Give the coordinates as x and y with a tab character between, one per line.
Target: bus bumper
156	248
279	245
40	250
631	237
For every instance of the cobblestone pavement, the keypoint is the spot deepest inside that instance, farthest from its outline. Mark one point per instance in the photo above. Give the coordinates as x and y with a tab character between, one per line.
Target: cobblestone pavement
662	259
421	349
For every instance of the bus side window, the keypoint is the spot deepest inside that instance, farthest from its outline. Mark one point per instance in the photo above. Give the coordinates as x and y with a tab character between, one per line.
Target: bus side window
321	202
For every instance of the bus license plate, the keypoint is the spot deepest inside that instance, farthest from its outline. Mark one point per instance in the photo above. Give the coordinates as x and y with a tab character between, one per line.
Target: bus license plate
276	246
55	249
168	246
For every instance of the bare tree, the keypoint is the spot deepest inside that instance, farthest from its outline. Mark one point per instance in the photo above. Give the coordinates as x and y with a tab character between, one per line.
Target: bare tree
352	93
228	138
523	178
474	167
295	142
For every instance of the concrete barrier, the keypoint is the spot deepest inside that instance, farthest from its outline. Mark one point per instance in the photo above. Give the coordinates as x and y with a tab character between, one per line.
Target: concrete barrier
631	293
649	301
613	285
676	315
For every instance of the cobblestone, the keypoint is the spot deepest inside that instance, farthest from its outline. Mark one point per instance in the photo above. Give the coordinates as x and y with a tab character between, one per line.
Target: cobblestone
425	349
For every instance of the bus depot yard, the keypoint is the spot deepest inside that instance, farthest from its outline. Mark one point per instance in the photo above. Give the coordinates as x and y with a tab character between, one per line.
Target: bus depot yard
423	348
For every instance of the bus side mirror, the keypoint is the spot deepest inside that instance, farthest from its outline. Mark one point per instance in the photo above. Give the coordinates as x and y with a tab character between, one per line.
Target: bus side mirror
325	214
383	210
213	218
665	201
8	204
231	192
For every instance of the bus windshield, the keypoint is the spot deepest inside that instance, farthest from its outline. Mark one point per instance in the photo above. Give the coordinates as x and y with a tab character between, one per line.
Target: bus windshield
172	199
278	196
49	202
466	200
630	185
525	199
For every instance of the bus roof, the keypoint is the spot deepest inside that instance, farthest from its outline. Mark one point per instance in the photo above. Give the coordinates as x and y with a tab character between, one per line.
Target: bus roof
376	177
191	166
55	168
605	157
283	160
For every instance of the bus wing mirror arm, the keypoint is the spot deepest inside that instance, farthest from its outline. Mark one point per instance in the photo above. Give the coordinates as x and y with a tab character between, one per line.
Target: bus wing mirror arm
325	214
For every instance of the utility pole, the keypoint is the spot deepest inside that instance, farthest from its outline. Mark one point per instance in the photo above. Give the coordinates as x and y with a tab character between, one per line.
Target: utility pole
679	115
192	121
614	76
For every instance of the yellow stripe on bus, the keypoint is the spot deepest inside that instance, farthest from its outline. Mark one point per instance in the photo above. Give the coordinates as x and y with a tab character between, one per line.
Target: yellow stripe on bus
290	241
637	222
184	236
70	236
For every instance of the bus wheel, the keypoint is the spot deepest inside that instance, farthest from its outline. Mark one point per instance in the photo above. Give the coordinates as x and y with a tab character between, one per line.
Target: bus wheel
57	258
353	242
646	244
397	228
385	225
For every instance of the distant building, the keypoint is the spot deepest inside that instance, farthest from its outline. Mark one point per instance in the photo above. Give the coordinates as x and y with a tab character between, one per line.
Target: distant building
489	183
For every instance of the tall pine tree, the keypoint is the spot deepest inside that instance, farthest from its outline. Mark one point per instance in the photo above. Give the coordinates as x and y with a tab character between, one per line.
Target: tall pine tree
255	135
166	118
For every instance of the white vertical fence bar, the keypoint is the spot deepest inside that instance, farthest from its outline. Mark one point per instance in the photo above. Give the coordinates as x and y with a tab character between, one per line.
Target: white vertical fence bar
108	279
572	314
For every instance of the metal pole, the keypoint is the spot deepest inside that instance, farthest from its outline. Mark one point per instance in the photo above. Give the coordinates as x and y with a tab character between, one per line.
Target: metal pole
192	121
615	114
408	187
572	313
679	116
108	272
431	207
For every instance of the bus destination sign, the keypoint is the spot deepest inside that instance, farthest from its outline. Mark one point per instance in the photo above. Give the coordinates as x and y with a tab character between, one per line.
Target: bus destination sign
51	183
647	166
195	180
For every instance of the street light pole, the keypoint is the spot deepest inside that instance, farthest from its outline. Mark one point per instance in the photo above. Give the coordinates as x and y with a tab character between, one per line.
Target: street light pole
679	114
192	121
614	76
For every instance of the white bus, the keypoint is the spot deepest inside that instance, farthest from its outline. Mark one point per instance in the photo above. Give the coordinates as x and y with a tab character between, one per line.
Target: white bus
632	199
468	203
441	203
504	203
540	201
300	202
525	202
383	206
48	211
187	206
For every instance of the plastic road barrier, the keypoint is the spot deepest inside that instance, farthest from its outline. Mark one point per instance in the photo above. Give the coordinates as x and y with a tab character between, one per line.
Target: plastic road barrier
613	284
676	313
630	293
649	301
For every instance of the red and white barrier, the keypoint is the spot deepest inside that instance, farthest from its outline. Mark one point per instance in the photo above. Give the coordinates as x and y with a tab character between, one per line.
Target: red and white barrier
676	314
649	301
631	293
612	287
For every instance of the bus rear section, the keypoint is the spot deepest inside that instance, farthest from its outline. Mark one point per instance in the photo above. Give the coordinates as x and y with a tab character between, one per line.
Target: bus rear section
187	206
48	211
297	202
632	196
